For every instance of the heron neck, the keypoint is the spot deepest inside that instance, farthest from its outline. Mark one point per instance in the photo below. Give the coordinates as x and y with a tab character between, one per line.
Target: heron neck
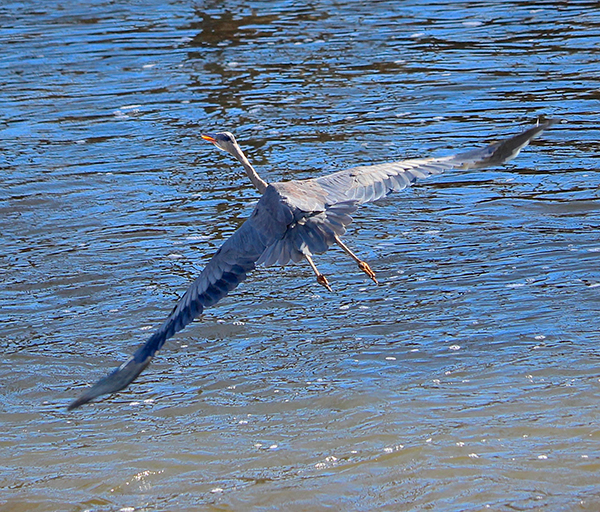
256	180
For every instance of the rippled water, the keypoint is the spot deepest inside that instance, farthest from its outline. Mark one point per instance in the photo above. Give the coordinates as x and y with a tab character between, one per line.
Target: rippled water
467	380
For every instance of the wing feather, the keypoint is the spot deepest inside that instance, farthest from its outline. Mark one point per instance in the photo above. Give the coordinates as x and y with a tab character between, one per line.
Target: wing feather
369	183
225	271
313	234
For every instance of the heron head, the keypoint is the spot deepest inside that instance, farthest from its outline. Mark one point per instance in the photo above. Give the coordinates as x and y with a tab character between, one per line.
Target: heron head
225	141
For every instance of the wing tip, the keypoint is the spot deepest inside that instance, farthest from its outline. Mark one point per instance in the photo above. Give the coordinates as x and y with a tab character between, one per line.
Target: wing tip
83	399
547	122
113	382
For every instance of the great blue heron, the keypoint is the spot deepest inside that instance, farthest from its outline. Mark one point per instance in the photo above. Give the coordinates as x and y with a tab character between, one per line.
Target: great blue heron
292	221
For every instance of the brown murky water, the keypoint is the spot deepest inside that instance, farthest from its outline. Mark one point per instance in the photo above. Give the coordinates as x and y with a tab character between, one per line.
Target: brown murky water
467	380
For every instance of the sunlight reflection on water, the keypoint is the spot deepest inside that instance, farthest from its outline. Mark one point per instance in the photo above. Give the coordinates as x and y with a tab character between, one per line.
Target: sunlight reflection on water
466	379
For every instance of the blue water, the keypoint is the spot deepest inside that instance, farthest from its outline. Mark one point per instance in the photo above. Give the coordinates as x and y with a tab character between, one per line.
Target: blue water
467	380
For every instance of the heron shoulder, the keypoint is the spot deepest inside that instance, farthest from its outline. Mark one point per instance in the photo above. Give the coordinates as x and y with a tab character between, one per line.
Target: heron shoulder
302	195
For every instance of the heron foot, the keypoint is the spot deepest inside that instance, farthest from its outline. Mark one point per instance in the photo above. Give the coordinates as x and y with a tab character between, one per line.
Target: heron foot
322	280
364	266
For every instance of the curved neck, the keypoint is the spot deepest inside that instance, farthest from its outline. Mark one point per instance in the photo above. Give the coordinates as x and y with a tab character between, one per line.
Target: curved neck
256	180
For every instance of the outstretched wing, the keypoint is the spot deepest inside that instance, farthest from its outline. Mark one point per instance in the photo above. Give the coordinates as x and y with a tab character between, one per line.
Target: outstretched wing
369	183
324	205
227	269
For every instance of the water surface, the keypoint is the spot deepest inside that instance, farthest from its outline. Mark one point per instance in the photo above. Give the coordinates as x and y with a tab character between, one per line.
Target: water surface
467	380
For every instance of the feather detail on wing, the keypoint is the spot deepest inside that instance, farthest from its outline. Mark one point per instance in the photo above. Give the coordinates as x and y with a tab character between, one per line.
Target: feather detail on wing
225	271
311	234
369	183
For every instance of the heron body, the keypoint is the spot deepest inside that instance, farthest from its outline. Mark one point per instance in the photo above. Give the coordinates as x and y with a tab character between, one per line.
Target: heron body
292	221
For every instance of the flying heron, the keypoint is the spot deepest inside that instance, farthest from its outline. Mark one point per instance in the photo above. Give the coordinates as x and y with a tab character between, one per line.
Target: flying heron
292	221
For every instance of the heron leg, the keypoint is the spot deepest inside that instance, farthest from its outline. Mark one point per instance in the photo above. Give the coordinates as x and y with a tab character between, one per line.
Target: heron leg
321	279
364	266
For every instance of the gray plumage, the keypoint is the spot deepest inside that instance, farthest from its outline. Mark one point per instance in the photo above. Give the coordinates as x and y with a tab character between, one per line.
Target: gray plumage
292	221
